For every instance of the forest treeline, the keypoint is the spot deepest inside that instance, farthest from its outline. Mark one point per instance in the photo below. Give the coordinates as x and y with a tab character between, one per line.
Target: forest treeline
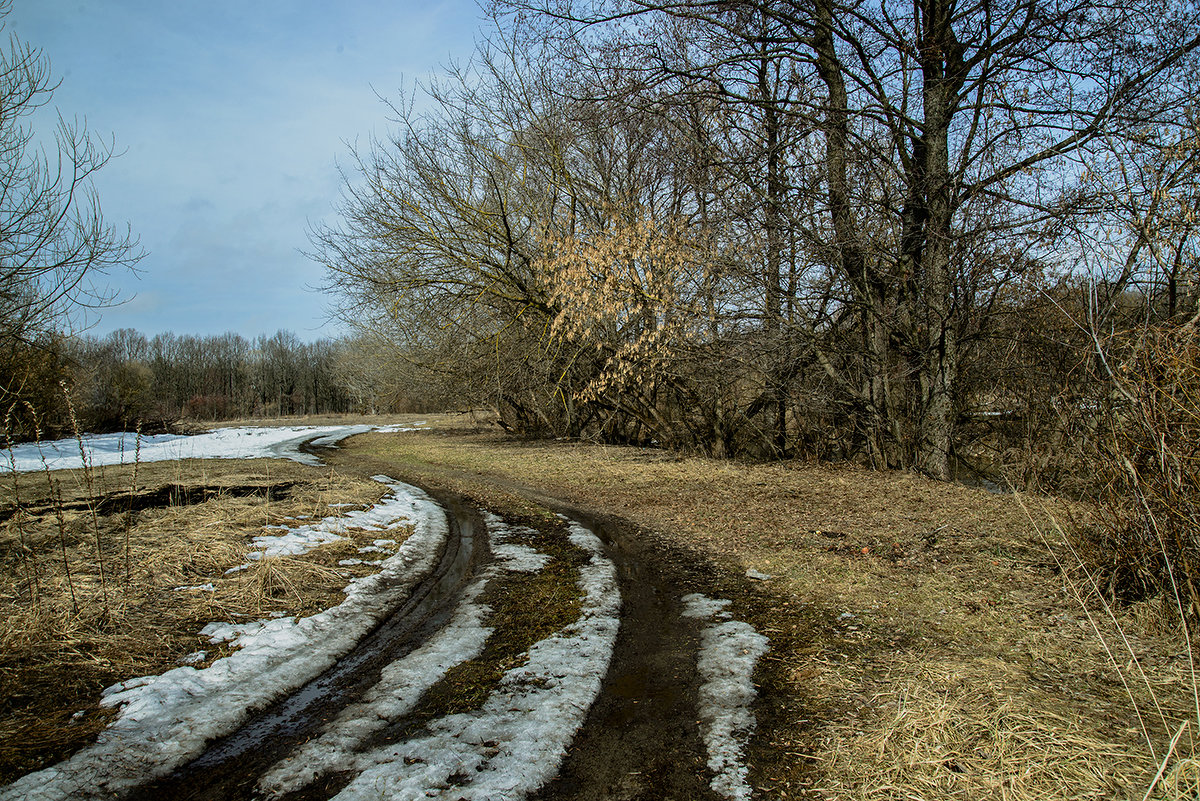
917	235
126	380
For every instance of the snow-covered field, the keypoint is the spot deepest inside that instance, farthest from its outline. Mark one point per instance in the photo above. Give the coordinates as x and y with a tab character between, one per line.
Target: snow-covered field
223	443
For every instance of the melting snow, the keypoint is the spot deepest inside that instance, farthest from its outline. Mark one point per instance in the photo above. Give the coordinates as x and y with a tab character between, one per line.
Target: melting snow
386	515
222	443
164	721
513	556
728	652
515	741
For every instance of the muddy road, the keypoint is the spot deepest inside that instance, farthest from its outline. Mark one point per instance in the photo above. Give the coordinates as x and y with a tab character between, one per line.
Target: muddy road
542	654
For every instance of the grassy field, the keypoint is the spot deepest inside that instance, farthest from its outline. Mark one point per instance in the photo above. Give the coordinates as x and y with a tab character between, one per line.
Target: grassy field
929	640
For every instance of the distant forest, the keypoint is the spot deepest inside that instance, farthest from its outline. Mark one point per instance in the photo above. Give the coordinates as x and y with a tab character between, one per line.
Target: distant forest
126	380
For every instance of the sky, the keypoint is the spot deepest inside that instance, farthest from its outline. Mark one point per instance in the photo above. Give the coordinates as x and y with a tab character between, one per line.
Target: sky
231	118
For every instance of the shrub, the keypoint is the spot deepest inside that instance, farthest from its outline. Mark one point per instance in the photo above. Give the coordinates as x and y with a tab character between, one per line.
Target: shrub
1150	545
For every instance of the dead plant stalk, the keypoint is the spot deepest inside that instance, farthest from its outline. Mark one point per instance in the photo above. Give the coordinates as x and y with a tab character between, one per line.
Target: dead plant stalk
90	485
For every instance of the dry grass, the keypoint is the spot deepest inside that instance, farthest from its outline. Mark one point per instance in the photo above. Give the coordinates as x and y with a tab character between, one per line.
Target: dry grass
62	641
958	735
925	643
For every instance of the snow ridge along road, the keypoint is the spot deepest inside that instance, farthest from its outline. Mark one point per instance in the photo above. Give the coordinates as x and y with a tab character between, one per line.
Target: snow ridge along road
514	743
566	686
728	653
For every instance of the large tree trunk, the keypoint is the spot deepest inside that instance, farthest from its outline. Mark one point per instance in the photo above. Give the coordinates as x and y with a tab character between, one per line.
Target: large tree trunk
835	126
942	70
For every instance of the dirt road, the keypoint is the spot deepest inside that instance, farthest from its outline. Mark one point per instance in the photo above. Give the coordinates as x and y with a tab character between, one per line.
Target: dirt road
641	737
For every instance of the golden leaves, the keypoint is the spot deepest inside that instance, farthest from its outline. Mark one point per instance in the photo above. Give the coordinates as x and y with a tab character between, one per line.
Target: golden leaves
630	291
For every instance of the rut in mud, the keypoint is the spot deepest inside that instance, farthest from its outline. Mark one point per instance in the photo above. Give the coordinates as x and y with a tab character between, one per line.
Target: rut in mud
230	767
642	738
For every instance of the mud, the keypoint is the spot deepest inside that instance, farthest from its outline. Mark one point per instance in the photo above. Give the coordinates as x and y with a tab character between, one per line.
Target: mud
230	767
641	738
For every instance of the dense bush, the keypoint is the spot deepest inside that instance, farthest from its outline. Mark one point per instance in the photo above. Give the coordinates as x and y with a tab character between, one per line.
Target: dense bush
1150	464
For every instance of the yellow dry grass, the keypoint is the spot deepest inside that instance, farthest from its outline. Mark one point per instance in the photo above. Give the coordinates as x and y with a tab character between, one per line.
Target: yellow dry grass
925	642
64	637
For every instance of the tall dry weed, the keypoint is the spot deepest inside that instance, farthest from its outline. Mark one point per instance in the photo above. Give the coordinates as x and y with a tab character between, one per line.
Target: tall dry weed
1149	543
137	460
1141	560
17	521
89	479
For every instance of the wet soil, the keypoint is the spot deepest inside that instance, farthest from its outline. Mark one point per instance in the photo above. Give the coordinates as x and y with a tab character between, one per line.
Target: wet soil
641	739
230	767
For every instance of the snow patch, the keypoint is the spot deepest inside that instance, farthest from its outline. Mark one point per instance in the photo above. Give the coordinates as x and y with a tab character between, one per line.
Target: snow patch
164	721
390	513
513	556
728	653
697	605
514	743
223	443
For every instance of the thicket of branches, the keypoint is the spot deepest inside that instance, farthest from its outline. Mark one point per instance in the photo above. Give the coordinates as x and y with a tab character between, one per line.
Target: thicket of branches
55	247
890	232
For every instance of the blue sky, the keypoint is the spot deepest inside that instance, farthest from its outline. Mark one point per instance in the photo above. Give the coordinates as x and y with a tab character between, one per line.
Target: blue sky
231	117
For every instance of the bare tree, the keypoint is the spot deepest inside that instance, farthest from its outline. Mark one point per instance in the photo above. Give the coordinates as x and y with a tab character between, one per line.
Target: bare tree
54	243
950	136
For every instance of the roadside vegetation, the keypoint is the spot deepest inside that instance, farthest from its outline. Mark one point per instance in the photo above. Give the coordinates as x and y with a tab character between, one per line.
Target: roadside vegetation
108	578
